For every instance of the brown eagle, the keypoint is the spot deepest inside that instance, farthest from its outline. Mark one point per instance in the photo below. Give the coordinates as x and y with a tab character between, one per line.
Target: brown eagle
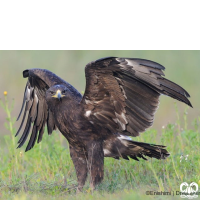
120	100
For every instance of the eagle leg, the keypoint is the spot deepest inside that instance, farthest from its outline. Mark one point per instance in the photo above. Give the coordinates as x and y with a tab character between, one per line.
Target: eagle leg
80	163
95	162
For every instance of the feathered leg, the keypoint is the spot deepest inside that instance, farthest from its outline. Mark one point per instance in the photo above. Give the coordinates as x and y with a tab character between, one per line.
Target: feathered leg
95	162
80	163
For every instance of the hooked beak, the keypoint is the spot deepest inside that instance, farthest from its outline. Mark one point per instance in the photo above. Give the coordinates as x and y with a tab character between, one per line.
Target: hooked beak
58	95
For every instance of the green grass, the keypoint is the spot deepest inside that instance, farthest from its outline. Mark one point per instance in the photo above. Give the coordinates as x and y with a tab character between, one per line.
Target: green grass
47	172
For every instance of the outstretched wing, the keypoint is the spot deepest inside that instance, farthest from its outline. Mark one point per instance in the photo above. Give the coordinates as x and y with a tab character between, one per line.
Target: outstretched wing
39	80
122	94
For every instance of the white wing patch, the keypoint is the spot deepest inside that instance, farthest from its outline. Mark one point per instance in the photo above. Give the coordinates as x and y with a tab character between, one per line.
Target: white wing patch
88	113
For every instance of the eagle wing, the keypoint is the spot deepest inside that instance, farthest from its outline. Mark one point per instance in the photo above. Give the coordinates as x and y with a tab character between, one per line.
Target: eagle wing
39	80
122	94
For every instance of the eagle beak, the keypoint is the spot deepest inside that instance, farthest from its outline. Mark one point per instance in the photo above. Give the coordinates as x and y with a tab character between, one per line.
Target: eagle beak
58	95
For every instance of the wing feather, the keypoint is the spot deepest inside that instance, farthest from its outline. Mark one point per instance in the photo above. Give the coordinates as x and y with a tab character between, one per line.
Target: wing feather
26	95
122	94
25	133
39	80
32	138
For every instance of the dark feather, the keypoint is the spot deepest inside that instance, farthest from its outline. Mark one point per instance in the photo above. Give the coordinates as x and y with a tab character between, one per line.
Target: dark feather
41	132
32	138
24	116
25	133
23	103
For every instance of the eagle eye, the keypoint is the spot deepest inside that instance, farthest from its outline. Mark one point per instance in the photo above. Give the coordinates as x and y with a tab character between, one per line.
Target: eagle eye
52	92
64	91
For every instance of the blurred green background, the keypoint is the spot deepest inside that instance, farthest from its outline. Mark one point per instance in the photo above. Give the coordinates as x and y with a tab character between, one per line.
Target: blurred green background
182	67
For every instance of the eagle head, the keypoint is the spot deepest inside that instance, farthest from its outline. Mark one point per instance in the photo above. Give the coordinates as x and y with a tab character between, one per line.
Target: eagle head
56	92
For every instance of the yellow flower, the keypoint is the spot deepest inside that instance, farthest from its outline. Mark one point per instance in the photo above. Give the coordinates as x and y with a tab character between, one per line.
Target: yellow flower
199	182
5	93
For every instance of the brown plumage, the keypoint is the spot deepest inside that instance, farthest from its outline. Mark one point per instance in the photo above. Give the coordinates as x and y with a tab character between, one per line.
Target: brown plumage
120	100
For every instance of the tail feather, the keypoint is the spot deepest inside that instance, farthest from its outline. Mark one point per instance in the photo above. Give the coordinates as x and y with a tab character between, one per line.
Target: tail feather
140	149
126	148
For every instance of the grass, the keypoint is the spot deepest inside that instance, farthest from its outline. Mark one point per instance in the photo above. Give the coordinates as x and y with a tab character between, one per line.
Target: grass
47	172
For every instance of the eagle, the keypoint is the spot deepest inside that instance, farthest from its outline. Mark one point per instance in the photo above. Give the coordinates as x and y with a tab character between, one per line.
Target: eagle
120	100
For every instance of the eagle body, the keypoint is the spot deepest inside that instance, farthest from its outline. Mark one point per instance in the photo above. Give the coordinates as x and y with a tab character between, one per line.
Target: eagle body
120	100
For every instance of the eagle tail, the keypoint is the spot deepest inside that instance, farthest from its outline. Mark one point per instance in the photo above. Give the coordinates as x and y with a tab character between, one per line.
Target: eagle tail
126	148
137	150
